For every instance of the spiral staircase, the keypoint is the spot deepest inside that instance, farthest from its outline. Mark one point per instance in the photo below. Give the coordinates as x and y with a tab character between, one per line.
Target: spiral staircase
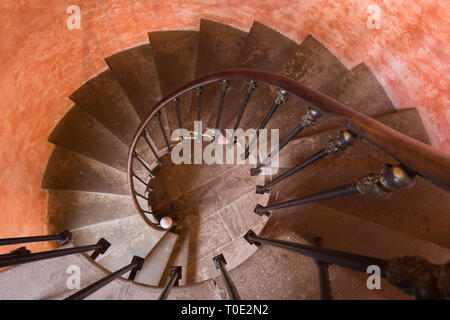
116	139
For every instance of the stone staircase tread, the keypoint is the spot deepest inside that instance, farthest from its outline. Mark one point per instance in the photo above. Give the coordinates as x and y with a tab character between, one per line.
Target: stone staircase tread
156	261
118	232
180	254
175	53
219	48
68	170
73	209
140	245
80	132
136	72
281	272
103	98
264	49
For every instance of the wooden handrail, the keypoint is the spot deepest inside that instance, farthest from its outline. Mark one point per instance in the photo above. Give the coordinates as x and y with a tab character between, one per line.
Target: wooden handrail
428	162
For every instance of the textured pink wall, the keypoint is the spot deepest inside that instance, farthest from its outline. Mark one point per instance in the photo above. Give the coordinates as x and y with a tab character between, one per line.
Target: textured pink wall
42	62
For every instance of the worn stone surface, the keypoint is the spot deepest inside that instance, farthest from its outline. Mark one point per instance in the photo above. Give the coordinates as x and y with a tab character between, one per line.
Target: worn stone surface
136	72
156	261
80	132
175	54
139	245
73	210
219	48
51	62
180	253
117	232
103	98
67	170
264	49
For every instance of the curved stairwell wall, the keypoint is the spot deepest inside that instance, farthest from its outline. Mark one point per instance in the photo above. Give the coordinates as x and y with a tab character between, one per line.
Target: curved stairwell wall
43	62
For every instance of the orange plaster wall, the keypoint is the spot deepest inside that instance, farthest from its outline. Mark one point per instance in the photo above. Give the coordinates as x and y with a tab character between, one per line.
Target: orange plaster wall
42	62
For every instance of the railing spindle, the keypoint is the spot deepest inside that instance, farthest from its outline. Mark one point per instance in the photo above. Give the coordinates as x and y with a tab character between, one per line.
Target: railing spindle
220	263
335	146
176	104
99	248
381	185
134	267
161	126
143	182
144	165
144	135
175	276
281	98
324	278
251	87
224	85
61	238
308	119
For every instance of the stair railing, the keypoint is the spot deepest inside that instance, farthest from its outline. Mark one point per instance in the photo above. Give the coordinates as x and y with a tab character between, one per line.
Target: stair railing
412	275
413	156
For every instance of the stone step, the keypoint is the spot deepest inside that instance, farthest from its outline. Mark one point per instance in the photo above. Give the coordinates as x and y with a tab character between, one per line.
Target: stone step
80	132
103	98
141	245
136	72
180	254
118	232
175	54
48	279
219	48
156	261
275	273
223	232
74	210
68	170
312	65
264	49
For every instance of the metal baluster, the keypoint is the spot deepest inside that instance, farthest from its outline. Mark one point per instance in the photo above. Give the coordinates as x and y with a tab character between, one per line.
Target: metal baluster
308	119
198	92
134	267
144	165
99	248
251	87
175	276
161	126
141	196
144	135
61	238
143	182
381	185
335	146
176	104
22	251
281	98
412	275
324	278
220	263
224	85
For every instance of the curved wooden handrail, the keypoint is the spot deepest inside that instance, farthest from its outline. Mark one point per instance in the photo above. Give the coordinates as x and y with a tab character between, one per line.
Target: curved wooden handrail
428	162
